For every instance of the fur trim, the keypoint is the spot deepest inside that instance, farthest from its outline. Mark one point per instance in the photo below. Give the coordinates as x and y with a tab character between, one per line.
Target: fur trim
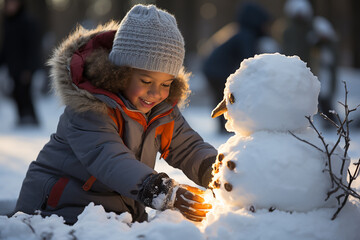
100	72
179	90
78	99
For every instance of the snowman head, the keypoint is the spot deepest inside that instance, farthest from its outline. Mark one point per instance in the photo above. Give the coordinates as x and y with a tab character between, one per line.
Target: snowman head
269	92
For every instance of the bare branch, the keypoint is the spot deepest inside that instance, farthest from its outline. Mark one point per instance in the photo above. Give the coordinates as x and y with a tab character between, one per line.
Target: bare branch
306	142
342	126
329	119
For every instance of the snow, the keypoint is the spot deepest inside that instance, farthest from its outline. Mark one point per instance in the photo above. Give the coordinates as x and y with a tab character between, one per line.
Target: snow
275	170
242	224
18	147
272	92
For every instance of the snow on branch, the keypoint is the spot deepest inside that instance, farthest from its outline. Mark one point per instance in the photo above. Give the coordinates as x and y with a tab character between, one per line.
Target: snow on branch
342	126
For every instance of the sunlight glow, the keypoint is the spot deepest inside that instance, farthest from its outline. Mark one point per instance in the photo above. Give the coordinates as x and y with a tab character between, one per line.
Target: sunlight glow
209	196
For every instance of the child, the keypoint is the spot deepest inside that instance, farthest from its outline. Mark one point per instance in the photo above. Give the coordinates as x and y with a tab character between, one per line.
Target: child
121	90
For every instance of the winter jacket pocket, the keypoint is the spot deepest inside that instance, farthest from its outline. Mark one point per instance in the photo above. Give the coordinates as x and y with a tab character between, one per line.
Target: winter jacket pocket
35	190
49	183
56	192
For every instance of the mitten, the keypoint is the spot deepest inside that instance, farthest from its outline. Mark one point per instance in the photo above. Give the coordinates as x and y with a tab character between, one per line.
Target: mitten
189	202
161	192
157	191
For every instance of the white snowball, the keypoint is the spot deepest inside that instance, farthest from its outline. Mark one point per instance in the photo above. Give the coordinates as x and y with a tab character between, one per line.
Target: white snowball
271	92
275	169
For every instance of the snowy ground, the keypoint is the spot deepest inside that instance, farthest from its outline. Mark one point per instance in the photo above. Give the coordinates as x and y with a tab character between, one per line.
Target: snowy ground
18	147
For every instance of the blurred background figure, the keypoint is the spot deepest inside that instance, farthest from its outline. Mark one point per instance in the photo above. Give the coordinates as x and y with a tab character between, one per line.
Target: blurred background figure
252	25
20	52
324	62
295	37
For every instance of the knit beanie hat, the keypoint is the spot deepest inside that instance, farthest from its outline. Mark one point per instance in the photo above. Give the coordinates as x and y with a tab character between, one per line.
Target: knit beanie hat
148	38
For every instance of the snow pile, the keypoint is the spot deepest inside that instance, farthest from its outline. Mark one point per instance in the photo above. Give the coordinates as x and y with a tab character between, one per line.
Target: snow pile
94	223
263	166
278	225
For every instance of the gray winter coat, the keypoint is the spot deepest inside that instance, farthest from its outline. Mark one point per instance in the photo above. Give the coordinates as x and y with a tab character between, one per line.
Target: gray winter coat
87	143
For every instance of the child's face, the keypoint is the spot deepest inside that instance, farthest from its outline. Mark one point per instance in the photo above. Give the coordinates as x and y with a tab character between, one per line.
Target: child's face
147	89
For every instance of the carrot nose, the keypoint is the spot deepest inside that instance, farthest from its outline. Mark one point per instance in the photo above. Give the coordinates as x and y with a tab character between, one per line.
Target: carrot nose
220	109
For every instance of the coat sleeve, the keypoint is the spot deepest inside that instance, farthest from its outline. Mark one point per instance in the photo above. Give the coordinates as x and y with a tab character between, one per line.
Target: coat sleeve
190	153
94	140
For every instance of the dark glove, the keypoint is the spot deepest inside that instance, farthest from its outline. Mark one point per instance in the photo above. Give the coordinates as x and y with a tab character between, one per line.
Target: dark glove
189	202
157	191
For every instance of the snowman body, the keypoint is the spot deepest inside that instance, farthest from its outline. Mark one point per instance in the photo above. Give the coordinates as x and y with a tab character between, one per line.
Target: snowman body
263	165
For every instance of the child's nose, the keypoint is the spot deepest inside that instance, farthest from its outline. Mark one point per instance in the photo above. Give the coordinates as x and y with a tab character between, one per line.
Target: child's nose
154	91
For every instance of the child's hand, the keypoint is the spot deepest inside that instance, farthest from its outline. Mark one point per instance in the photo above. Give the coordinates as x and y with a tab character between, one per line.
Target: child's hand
189	202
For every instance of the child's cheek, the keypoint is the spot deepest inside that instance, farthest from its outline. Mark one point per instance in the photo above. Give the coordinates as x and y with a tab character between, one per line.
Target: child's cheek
165	93
136	91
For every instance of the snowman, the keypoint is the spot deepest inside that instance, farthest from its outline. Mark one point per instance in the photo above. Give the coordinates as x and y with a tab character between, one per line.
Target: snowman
263	166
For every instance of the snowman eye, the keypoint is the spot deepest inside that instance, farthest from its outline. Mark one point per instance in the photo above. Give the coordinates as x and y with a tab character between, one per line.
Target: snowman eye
228	187
231	98
231	165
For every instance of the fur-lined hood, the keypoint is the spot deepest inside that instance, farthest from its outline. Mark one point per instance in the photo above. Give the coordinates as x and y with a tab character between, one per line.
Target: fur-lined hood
74	68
